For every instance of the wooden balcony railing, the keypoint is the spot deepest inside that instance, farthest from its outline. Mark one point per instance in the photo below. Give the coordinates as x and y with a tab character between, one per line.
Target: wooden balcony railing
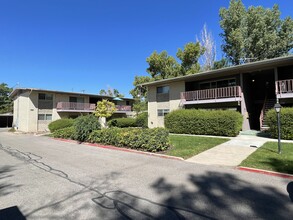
75	106
284	86
125	108
207	94
85	107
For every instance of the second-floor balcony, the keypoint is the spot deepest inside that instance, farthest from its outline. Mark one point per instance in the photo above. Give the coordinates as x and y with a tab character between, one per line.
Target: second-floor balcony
86	107
75	107
284	88
216	95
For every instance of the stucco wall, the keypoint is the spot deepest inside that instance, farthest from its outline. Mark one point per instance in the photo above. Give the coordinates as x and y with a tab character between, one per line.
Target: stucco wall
174	103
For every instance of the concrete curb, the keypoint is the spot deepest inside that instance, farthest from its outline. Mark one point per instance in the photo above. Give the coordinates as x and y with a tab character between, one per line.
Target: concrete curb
266	172
121	149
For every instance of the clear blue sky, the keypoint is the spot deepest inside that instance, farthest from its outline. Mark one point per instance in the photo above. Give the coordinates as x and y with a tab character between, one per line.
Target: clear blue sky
92	44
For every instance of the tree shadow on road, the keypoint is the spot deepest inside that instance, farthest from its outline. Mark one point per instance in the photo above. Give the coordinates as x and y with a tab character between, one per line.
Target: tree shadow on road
6	184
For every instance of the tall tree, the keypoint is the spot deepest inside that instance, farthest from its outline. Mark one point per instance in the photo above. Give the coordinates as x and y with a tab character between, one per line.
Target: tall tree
111	92
254	34
5	101
138	91
207	42
189	58
233	23
162	66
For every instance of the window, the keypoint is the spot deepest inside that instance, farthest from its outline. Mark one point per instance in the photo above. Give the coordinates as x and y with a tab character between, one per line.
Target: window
218	84
45	117
163	89
43	96
163	112
76	99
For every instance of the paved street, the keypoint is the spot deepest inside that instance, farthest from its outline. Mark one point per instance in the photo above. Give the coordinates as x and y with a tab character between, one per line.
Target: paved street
50	179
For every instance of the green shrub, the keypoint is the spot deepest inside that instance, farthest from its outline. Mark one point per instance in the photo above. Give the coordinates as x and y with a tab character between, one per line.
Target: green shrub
84	125
60	123
142	120
66	133
151	140
204	122
122	122
286	117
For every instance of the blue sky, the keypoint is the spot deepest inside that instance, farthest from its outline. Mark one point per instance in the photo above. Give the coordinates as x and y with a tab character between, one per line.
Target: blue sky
75	45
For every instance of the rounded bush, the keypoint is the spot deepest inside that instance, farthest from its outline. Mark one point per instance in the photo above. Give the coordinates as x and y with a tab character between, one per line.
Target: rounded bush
286	116
146	139
66	133
204	122
142	120
122	122
84	125
60	123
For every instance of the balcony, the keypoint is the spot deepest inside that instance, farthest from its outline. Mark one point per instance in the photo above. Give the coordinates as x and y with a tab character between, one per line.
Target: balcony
284	88
123	108
86	107
217	95
75	107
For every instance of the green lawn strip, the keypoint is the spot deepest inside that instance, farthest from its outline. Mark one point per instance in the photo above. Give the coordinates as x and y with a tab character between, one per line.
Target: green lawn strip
188	146
267	158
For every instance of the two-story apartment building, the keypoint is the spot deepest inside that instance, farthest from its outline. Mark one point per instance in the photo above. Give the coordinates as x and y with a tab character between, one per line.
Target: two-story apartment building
251	89
34	109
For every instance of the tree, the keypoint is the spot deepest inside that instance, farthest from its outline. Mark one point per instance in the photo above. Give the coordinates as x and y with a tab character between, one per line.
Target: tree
254	34
220	64
111	92
233	23
105	109
5	102
207	42
189	58
138	91
162	66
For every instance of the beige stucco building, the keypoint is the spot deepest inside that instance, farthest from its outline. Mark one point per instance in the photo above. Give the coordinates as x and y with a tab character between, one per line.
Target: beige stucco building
251	89
34	109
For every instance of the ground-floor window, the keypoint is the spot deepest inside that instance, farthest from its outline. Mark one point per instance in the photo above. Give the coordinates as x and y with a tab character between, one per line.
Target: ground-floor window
163	112
45	117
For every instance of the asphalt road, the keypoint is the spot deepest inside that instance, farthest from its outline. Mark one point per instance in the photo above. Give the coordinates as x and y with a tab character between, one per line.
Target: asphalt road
42	178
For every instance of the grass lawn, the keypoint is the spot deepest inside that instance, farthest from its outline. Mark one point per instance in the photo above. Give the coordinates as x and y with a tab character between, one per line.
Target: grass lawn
188	146
267	158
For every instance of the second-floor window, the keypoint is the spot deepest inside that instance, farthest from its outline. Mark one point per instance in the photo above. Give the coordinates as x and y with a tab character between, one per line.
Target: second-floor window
163	90
217	84
45	101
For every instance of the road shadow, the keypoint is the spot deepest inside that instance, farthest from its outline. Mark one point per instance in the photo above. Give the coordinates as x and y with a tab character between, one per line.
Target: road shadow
213	195
6	184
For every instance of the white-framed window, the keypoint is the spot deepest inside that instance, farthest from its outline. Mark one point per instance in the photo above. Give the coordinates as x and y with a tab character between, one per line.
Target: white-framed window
163	89
45	96
163	112
45	117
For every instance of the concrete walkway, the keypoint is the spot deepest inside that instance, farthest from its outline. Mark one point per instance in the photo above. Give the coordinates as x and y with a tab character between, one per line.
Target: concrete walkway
230	153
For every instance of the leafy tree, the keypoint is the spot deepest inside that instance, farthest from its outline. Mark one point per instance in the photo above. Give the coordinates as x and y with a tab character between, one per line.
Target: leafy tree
255	33
111	92
162	66
220	64
103	92
5	101
189	58
138	91
233	23
139	105
105	109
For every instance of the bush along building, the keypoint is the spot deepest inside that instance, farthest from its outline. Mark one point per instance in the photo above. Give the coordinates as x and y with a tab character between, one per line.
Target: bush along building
251	89
34	109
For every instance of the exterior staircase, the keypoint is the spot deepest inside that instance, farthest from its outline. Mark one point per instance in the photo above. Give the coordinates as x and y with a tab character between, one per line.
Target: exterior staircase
268	104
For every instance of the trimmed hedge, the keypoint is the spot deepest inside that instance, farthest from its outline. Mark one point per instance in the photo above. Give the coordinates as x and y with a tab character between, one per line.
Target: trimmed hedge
204	122
60	123
66	133
122	122
142	120
84	125
286	117
152	140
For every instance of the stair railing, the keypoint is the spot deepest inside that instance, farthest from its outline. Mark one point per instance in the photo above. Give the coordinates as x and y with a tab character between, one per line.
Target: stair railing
262	112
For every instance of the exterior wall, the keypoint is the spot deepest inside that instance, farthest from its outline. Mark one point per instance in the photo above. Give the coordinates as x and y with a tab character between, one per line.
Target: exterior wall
20	113
172	104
